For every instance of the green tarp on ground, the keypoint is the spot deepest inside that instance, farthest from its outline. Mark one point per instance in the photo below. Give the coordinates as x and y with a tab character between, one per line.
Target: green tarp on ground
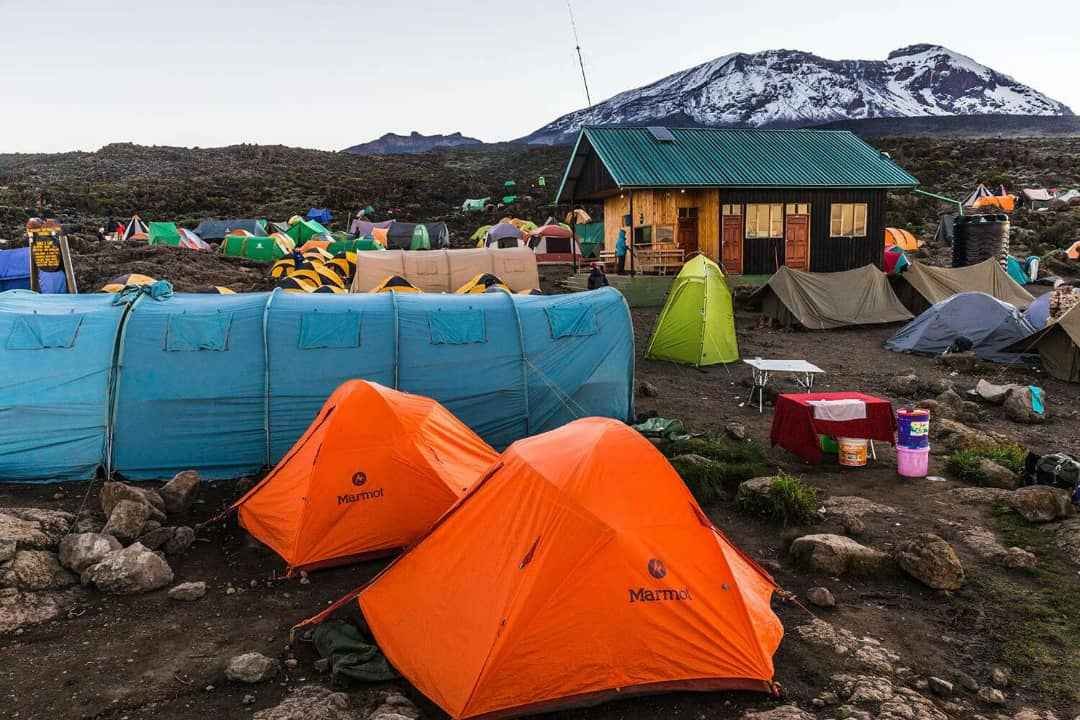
163	233
822	301
252	247
697	324
305	230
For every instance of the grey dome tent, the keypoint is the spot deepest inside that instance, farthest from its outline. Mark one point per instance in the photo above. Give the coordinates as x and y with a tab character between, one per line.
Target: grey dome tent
989	324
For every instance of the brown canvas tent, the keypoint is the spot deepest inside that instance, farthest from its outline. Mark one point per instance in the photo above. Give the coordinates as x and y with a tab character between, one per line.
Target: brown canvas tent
1058	345
921	286
821	301
446	270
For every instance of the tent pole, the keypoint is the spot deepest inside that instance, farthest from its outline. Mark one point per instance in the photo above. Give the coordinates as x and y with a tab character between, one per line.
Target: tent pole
630	244
573	234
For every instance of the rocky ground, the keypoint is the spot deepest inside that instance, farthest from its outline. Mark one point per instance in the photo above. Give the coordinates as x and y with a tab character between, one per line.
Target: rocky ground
917	599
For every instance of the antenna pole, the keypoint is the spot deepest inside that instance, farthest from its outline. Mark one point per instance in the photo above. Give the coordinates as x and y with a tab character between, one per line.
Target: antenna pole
577	46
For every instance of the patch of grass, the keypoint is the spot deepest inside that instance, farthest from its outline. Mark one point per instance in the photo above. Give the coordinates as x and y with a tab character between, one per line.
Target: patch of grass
790	501
729	463
1037	612
964	464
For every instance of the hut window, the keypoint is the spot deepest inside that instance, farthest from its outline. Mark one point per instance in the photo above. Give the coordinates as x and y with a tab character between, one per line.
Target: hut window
848	220
665	234
764	221
643	235
732	210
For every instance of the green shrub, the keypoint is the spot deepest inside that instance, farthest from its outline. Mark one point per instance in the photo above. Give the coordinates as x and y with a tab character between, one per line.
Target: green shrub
728	464
790	501
964	464
704	479
719	449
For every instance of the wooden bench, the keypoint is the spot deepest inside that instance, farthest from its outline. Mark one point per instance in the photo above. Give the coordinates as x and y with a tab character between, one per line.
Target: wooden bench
659	259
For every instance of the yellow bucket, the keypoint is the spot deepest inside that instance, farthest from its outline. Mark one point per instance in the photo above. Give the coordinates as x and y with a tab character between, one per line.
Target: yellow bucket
853	451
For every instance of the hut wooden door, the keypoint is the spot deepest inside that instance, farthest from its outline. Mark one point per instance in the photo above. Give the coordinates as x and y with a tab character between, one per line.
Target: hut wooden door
688	230
731	239
797	236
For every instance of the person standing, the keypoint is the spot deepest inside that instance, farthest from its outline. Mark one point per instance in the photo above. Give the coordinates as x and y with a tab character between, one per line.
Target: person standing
620	252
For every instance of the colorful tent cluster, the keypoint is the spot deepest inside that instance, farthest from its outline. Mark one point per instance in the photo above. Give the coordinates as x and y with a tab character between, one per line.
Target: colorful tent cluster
697	324
373	472
236	379
444	271
580	569
312	269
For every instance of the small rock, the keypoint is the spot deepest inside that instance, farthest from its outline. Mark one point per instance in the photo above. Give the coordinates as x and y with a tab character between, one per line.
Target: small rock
992	696
322	665
179	493
23	609
784	712
37	570
939	686
248	699
153	539
837	555
821	597
932	561
113	492
647	389
292	663
997	476
1041	503
180	541
311	702
188	591
126	520
999	677
1020	559
736	431
131	570
209	688
230	590
7	550
251	668
966	681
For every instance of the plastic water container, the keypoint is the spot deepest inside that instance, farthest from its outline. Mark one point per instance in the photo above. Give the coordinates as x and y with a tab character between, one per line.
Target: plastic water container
828	445
853	451
912	428
912	463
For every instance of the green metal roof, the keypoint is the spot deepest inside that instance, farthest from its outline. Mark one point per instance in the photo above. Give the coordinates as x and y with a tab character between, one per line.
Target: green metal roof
728	157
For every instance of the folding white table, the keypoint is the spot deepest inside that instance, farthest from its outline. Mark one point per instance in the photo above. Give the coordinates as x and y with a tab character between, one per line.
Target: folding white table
803	371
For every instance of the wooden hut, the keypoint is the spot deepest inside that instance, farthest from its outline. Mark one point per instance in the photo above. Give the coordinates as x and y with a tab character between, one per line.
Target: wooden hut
752	200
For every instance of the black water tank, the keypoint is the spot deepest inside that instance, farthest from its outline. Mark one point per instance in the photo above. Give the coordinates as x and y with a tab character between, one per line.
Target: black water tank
979	237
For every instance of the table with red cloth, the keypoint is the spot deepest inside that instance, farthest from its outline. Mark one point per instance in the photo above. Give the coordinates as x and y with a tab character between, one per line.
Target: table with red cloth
795	428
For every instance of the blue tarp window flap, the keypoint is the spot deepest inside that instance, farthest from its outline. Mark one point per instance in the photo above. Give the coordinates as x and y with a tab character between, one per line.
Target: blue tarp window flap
320	330
188	332
36	332
457	327
576	320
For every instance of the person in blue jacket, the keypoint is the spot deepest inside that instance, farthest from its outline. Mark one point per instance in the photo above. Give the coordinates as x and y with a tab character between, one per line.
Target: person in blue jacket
620	252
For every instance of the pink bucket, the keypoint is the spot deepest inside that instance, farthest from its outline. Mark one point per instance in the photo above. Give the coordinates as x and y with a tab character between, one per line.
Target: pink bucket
912	463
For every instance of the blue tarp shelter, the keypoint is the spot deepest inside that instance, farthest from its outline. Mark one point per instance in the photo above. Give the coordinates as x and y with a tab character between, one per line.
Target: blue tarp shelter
320	215
988	323
15	273
225	384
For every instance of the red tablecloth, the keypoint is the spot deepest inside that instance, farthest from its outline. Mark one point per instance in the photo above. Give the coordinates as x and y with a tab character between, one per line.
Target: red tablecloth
794	427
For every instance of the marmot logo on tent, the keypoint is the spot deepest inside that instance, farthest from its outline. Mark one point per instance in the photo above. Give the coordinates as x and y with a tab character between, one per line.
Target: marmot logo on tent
657	569
355	497
359	479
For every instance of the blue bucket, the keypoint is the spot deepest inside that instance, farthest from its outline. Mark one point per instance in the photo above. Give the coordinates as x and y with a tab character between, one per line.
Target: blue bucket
912	428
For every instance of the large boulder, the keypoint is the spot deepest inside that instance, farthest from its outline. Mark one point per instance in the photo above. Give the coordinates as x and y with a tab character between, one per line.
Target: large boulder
251	668
80	551
131	570
23	609
1041	503
932	561
113	492
181	540
1019	408
127	520
31	528
950	436
179	492
36	570
7	550
1067	537
837	555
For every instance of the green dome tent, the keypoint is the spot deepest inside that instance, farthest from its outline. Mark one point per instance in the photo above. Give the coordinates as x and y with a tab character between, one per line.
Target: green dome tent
163	233
697	324
363	243
305	230
252	247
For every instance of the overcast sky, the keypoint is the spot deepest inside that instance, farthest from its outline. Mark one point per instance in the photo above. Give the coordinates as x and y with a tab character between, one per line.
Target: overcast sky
80	74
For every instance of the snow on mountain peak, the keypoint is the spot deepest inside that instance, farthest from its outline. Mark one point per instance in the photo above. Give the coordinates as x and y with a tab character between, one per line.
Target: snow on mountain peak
790	88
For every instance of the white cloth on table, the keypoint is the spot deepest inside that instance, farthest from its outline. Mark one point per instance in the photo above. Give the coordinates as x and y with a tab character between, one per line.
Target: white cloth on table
839	410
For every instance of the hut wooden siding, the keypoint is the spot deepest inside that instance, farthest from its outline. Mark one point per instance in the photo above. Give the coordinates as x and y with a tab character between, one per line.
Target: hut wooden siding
827	253
661	207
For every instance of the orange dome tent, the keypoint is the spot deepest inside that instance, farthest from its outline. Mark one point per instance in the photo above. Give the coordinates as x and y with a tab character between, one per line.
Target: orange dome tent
579	569
903	239
373	472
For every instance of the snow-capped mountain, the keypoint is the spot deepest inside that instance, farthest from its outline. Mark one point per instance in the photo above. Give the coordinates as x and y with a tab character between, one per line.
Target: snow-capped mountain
786	88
